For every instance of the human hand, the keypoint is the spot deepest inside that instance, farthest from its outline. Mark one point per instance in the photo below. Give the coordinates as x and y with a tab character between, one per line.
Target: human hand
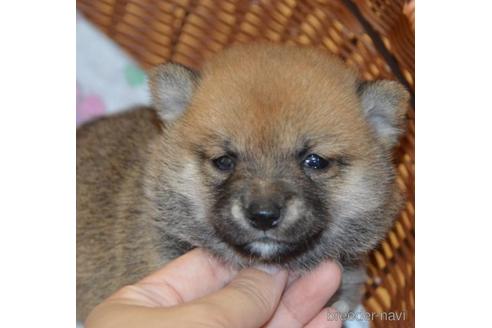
196	290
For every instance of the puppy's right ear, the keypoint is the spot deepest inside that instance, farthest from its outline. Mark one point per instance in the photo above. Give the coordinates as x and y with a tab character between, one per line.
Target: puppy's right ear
172	86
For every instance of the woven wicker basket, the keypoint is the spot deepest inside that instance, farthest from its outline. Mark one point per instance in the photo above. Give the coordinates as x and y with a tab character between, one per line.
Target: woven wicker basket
374	36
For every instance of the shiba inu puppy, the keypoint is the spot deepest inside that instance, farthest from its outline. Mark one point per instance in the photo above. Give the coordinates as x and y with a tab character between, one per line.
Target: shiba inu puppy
270	154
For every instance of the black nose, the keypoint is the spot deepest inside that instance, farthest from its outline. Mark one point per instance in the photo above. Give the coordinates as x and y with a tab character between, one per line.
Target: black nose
264	215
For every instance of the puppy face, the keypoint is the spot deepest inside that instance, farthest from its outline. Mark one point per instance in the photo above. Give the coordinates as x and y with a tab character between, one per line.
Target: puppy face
279	154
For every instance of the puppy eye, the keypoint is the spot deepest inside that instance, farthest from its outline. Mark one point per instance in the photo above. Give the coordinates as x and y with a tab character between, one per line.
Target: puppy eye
314	161
224	163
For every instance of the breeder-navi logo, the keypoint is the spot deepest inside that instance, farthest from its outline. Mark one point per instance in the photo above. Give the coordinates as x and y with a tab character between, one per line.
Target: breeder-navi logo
367	316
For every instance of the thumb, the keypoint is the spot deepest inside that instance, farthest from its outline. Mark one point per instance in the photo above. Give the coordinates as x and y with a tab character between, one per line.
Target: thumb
248	301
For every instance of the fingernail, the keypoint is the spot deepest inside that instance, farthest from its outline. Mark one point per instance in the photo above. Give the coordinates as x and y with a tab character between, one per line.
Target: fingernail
341	306
339	265
270	269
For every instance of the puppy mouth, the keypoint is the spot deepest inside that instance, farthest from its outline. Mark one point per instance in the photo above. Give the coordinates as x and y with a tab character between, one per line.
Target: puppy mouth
268	240
272	250
264	248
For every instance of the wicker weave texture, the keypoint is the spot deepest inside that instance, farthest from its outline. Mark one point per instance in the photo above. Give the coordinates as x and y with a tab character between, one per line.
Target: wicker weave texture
374	36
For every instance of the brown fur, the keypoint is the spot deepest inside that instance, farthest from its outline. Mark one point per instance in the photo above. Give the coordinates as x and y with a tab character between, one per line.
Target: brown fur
147	189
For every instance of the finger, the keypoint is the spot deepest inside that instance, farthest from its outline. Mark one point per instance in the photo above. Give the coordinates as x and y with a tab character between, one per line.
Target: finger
327	318
307	296
248	301
191	276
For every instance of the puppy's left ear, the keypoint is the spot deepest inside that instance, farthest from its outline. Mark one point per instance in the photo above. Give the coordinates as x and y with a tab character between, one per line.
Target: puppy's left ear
172	86
384	104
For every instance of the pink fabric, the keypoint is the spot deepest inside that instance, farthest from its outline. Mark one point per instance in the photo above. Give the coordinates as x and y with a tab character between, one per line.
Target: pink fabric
89	107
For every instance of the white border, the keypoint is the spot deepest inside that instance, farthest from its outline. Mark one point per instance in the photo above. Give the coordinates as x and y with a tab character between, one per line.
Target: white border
37	164
453	163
